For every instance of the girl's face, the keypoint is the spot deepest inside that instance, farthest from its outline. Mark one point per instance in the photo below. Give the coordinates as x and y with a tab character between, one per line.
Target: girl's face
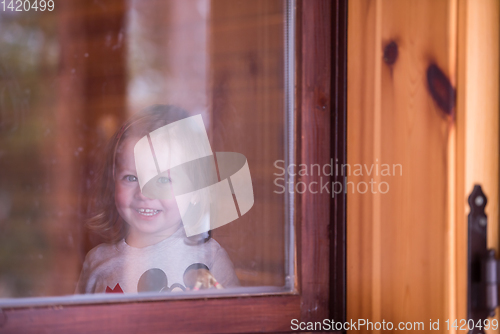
146	217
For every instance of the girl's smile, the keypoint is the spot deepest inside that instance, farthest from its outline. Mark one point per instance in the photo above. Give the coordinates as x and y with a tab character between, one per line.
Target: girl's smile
148	212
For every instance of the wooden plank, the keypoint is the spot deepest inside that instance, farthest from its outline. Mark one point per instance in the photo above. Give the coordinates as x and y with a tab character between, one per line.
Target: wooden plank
401	79
315	137
242	315
478	119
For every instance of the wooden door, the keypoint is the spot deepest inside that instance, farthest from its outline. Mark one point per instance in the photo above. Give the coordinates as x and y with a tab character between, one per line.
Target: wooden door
423	82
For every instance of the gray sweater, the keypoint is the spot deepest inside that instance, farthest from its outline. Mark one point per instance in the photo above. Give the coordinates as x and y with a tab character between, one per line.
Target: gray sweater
159	267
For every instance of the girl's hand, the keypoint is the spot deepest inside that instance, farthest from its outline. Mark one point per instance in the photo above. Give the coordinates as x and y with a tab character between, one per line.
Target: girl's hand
197	279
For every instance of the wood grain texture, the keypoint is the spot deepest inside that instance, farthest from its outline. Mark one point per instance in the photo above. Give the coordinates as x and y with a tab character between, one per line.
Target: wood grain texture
478	121
315	116
246	47
257	314
399	243
92	88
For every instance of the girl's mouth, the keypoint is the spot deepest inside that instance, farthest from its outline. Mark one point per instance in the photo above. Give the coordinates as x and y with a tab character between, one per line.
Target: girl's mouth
148	212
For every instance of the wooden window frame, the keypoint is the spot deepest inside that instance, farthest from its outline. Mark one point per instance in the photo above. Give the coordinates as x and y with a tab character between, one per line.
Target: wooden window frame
319	219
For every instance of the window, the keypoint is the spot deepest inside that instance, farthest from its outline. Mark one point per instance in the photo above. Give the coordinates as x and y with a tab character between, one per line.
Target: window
221	59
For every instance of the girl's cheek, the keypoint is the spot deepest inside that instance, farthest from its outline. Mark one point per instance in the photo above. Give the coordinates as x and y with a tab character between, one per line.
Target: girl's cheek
120	195
117	192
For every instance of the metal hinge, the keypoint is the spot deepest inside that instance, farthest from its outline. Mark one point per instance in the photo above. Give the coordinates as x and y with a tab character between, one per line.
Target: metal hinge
482	298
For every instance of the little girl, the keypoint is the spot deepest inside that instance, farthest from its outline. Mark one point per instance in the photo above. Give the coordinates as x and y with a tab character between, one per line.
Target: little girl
148	250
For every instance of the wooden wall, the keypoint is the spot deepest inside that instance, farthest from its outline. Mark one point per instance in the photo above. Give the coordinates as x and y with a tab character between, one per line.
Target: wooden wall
247	116
91	105
421	86
477	136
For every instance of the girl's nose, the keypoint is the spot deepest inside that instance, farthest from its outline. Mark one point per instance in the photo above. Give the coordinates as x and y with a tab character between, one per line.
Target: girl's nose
140	196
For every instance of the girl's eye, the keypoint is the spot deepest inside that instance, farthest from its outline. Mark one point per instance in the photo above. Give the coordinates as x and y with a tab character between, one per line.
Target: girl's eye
130	178
163	180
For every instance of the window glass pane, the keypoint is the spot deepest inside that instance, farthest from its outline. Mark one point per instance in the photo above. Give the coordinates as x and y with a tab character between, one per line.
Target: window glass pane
141	146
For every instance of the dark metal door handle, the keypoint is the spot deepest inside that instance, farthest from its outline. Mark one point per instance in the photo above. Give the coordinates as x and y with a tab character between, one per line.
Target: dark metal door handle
482	287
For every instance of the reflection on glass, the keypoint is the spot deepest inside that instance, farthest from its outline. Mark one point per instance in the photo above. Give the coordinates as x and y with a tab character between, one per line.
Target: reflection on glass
83	88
